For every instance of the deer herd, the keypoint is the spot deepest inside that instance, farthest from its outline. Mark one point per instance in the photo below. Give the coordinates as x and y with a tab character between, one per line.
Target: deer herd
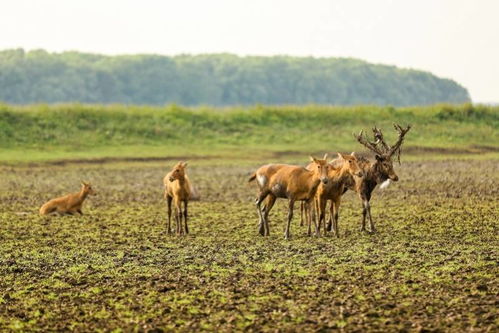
320	182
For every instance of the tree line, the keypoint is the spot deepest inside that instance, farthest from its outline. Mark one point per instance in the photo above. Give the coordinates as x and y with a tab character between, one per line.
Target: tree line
214	79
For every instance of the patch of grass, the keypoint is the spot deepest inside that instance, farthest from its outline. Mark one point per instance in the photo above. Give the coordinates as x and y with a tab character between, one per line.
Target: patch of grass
42	132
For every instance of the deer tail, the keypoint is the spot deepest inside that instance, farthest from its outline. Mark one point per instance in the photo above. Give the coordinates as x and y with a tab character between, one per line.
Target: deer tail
194	194
252	177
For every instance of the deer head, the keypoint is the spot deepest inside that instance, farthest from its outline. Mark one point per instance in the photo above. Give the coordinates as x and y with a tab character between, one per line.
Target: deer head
320	168
178	171
383	151
350	163
87	188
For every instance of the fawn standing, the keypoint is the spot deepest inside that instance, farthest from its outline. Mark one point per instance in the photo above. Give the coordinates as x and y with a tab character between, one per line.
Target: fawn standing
178	189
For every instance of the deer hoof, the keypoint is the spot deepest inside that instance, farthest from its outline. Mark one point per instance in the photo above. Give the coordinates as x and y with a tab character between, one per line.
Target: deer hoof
261	231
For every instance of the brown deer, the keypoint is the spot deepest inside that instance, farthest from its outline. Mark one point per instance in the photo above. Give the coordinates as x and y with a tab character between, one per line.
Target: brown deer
334	189
68	204
294	183
376	172
178	189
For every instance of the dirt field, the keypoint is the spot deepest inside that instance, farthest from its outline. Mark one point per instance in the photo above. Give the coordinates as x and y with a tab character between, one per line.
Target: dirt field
432	266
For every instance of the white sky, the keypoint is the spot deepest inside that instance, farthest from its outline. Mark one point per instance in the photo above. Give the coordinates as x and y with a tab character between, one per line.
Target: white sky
457	39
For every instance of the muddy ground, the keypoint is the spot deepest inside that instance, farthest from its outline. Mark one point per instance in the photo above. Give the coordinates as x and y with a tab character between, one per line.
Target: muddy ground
432	266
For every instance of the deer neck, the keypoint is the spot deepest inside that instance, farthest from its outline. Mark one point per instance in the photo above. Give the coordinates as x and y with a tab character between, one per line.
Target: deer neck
376	174
314	186
343	174
181	181
314	181
82	195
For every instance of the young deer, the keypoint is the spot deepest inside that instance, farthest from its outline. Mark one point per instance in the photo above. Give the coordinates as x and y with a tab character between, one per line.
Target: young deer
178	189
68	204
292	182
376	172
334	189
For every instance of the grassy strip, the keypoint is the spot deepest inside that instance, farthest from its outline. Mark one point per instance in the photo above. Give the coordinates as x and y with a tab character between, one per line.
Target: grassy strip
42	132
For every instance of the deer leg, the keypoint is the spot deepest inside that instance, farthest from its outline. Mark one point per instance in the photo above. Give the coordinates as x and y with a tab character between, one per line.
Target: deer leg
322	203
364	213
319	213
371	223
309	221
268	207
258	202
311	206
335	209
331	218
169	213
181	218
307	208
329	226
185	217
313	209
178	217
290	217
302	213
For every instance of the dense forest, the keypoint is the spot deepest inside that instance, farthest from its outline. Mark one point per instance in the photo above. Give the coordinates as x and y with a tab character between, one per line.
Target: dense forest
216	79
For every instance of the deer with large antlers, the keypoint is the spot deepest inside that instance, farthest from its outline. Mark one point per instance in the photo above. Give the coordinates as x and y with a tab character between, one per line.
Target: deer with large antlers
376	172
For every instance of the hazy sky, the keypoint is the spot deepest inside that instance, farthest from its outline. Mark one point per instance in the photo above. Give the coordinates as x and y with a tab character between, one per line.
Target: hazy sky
457	39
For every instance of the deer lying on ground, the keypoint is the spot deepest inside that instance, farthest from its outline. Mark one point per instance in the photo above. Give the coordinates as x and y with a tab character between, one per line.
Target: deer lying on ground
334	189
178	189
377	172
68	204
294	183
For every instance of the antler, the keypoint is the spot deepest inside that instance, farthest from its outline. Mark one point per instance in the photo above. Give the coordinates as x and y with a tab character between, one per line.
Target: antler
396	147
369	145
378	135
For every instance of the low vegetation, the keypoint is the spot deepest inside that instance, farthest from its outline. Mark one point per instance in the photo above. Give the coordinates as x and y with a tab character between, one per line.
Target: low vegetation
432	265
42	132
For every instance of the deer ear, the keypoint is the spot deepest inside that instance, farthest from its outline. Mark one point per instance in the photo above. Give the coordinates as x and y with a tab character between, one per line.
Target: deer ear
313	159
353	154
325	156
340	156
184	164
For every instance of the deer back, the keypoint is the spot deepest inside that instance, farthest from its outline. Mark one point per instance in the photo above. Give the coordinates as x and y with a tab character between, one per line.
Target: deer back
294	182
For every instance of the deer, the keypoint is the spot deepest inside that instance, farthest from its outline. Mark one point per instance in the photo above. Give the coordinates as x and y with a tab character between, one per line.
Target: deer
378	172
178	188
339	177
69	204
291	182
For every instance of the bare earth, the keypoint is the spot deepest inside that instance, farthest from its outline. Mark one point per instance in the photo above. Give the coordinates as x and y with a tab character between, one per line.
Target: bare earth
432	266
